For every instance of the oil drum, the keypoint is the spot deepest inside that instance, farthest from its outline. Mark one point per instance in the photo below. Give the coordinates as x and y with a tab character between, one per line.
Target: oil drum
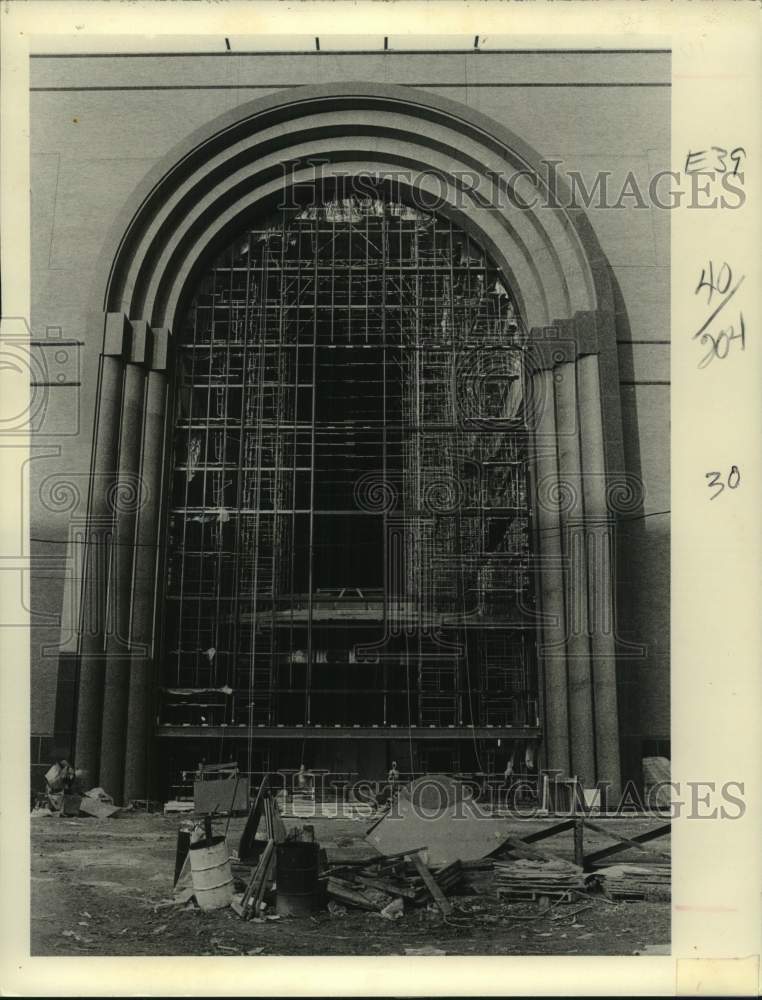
297	868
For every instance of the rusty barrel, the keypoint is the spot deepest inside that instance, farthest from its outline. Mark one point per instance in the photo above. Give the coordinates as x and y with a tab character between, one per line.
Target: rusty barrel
297	870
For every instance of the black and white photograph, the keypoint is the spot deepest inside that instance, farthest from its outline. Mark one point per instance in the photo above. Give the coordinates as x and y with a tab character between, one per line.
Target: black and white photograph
349	490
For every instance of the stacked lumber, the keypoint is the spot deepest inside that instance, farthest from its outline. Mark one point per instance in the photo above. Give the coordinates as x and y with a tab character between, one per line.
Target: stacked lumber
527	878
633	882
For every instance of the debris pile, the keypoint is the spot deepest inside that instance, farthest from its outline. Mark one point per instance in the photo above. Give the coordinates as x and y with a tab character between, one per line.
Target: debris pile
280	873
386	885
65	796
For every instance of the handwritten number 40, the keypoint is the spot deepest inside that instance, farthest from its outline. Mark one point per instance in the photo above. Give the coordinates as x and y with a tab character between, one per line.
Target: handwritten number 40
732	482
719	282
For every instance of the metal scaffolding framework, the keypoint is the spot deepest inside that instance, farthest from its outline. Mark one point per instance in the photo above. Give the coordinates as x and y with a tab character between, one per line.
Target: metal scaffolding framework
348	528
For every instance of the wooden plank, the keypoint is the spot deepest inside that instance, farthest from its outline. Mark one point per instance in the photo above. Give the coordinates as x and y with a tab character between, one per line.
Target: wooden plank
551	831
641	838
277	825
347	894
626	843
267	862
446	878
660	831
243	907
377	860
436	893
579	843
252	883
636	841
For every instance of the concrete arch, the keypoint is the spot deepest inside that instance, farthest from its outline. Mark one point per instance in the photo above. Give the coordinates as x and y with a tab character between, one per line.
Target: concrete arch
244	156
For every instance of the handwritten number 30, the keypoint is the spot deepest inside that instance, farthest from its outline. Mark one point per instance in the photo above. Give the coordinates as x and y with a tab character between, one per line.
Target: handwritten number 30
732	482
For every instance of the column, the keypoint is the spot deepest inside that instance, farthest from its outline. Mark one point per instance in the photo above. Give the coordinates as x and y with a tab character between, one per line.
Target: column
127	497
142	662
552	640
94	565
575	576
601	583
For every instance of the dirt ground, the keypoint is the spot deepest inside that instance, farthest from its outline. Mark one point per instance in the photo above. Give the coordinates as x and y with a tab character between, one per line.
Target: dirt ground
104	887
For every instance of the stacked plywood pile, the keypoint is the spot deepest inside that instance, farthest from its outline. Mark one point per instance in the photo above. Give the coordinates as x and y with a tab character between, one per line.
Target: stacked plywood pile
527	878
632	882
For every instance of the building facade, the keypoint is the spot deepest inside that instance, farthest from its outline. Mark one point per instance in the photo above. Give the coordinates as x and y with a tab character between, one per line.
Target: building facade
354	444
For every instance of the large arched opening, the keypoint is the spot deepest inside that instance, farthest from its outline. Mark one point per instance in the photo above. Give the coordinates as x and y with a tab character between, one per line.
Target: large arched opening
518	406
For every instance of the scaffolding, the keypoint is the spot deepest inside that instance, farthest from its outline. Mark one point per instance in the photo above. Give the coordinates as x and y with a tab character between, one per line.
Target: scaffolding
348	532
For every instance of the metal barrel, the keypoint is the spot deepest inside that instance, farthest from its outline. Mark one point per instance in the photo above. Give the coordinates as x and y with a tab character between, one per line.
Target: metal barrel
212	874
298	866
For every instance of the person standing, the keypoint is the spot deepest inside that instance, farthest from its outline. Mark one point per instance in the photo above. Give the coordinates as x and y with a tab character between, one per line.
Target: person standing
393	776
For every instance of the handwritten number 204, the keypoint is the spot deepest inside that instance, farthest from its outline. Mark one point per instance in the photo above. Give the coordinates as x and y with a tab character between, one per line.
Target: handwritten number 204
720	345
733	481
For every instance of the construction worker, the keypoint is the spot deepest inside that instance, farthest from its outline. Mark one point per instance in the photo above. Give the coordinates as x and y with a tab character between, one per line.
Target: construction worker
303	781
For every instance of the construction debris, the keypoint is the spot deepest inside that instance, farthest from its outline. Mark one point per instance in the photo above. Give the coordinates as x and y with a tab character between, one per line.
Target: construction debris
374	902
394	910
629	882
98	803
386	885
430	882
531	879
348	895
64	796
